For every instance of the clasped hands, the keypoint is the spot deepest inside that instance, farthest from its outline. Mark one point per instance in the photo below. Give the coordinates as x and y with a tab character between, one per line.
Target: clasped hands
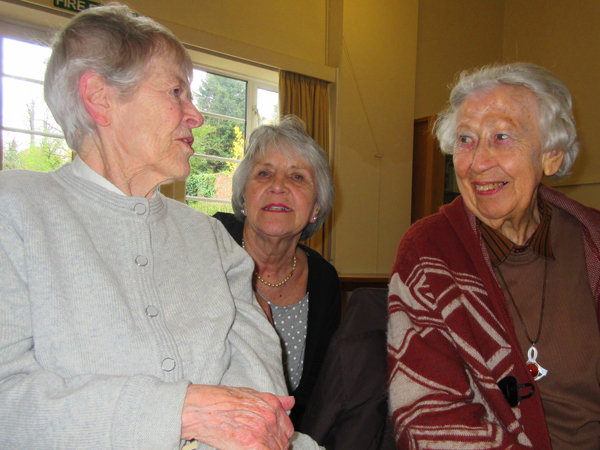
230	418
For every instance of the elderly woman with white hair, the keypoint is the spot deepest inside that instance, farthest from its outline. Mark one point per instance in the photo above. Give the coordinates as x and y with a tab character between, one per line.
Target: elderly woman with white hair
493	338
282	193
127	320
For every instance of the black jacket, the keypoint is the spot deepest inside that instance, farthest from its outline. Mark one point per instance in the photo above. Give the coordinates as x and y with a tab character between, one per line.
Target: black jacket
324	311
349	405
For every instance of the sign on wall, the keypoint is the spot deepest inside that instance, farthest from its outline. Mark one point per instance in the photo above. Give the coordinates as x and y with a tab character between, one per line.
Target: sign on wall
75	5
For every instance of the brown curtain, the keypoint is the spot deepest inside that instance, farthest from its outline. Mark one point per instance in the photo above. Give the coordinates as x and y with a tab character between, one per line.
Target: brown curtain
307	98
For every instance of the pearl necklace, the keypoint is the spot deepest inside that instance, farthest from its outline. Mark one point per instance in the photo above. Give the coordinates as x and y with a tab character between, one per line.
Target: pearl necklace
275	284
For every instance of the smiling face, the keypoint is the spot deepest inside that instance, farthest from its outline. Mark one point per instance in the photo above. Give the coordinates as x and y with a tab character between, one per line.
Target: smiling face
153	129
280	195
498	157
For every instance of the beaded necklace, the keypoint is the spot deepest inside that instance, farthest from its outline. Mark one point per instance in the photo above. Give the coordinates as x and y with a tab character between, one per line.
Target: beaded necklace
275	284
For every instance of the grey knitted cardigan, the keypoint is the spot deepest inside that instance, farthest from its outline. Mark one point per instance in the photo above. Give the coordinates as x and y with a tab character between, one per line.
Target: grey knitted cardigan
109	307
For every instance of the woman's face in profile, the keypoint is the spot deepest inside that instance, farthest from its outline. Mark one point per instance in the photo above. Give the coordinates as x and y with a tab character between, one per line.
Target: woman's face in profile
153	129
498	156
280	195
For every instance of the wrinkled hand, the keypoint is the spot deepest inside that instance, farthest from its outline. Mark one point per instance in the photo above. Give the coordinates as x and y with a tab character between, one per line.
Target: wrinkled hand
231	418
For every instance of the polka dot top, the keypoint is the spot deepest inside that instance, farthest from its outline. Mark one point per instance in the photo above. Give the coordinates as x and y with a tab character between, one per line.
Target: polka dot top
291	324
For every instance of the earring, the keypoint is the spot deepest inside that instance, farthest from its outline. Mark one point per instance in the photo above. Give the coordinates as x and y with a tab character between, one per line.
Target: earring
315	218
243	212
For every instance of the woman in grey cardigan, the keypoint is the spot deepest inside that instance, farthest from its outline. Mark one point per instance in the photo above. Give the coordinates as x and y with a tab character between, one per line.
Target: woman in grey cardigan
127	320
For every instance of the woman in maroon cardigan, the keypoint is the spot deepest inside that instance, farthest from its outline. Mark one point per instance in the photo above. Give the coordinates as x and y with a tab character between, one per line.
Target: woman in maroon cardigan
493	339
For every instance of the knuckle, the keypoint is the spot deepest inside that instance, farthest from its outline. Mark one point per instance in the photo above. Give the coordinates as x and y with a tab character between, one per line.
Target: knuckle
271	400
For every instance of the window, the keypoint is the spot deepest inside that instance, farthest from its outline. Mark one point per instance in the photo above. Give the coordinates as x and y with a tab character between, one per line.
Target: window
30	137
232	106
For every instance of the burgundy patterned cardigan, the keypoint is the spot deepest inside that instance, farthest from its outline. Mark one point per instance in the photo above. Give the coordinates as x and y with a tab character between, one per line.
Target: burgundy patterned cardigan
451	339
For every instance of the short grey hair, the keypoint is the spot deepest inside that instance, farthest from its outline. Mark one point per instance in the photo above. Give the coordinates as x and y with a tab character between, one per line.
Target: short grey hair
290	138
556	121
113	42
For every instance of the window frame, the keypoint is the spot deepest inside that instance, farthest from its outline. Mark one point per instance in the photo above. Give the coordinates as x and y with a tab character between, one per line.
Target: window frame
33	34
254	83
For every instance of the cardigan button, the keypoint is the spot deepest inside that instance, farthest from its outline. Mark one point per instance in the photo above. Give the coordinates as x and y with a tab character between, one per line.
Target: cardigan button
139	208
168	364
141	260
152	311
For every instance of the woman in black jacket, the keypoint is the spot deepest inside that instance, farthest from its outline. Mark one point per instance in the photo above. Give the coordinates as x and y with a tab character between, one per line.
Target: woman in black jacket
282	193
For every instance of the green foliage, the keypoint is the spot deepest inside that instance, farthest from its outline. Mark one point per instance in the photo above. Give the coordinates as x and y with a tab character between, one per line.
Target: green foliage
217	137
43	153
49	155
210	208
238	149
224	96
201	185
10	157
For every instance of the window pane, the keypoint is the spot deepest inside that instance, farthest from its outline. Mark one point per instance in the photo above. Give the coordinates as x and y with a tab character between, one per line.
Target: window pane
267	103
219	137
222	100
221	95
40	153
204	182
211	178
219	143
23	107
23	59
210	208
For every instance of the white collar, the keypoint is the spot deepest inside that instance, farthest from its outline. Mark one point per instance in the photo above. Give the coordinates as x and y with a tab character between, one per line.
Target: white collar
82	170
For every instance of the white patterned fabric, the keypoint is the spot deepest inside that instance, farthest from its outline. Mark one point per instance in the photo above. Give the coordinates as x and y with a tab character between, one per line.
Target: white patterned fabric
291	323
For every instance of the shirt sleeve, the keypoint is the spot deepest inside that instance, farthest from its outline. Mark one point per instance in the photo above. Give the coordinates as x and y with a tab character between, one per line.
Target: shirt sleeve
255	348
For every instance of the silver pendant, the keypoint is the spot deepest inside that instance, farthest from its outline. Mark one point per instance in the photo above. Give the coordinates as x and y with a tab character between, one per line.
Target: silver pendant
534	368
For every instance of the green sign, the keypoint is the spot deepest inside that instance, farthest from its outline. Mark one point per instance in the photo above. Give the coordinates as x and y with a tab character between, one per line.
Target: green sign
75	5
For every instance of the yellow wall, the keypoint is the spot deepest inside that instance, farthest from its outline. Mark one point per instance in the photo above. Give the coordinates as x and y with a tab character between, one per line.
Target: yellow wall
566	39
287	35
562	36
373	161
278	26
453	36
